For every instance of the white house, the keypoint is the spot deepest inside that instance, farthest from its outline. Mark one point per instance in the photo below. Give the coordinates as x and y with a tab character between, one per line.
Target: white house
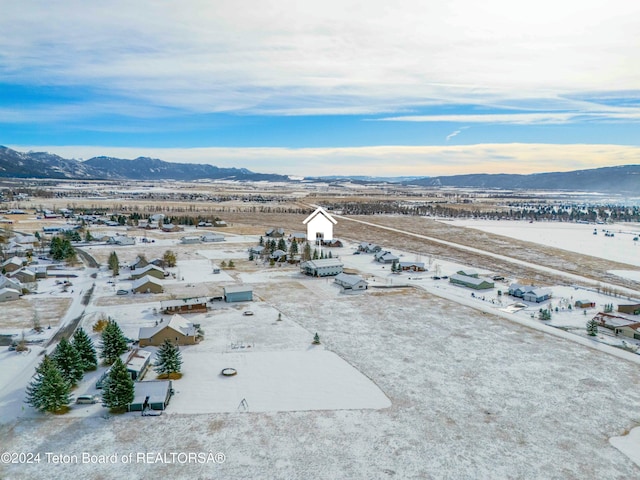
319	226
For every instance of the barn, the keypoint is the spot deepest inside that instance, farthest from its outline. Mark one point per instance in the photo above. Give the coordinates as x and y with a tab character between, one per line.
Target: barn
154	394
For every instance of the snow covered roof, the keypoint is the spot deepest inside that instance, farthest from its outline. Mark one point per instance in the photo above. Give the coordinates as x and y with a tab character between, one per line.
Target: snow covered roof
237	289
470	280
347	279
182	301
324	262
136	360
177	323
146	279
156	390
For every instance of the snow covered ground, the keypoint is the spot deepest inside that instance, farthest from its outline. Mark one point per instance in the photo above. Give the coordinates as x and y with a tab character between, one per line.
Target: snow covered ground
575	237
422	381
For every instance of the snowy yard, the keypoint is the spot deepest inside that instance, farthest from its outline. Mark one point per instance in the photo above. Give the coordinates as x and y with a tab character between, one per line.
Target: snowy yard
419	382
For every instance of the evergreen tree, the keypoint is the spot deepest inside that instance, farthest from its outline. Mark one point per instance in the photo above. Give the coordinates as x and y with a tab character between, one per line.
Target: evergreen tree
592	327
315	254
84	346
293	249
261	241
169	359
169	258
69	362
114	264
282	245
88	237
118	389
114	343
306	252
48	391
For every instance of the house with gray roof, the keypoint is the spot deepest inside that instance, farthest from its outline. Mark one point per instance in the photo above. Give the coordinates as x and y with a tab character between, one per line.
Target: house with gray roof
471	282
177	330
322	268
351	282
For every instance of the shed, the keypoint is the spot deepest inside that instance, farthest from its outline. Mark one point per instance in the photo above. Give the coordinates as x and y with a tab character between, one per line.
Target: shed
147	284
584	304
238	293
155	394
351	282
322	268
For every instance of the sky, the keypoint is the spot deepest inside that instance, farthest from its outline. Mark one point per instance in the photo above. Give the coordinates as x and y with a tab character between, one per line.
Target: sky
326	88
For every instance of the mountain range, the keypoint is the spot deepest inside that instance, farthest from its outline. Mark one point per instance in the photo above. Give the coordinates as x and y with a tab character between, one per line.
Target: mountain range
623	179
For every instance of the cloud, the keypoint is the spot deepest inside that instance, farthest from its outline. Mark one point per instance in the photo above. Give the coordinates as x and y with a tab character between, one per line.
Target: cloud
331	57
632	114
453	134
381	160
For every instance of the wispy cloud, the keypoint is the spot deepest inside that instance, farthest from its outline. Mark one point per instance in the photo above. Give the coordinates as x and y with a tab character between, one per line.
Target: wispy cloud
328	57
381	160
632	114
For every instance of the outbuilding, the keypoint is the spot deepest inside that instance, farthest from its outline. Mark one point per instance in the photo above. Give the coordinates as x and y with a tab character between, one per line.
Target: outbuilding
324	267
184	305
471	282
154	395
238	293
351	282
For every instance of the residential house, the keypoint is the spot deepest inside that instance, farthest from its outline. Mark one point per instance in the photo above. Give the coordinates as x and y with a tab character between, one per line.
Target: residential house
322	268
351	282
278	255
632	330
366	247
471	282
537	295
412	266
170	227
24	275
9	294
184	305
147	284
385	256
139	262
177	329
150	270
12	264
299	237
121	240
319	226
275	233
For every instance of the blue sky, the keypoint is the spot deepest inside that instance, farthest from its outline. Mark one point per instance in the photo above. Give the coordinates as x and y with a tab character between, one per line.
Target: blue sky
322	88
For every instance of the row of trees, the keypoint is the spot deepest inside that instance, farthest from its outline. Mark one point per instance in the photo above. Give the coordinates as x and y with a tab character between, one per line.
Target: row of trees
49	390
61	249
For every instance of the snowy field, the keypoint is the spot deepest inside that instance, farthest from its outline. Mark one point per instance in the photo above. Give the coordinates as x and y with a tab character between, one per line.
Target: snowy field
574	237
424	381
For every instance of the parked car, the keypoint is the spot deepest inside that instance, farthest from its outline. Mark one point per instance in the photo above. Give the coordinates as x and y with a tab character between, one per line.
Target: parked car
122	292
247	313
86	399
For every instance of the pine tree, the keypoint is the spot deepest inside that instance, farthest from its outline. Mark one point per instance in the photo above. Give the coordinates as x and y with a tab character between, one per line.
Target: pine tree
592	327
114	263
306	252
114	343
169	359
68	361
293	249
48	391
282	245
118	389
85	348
